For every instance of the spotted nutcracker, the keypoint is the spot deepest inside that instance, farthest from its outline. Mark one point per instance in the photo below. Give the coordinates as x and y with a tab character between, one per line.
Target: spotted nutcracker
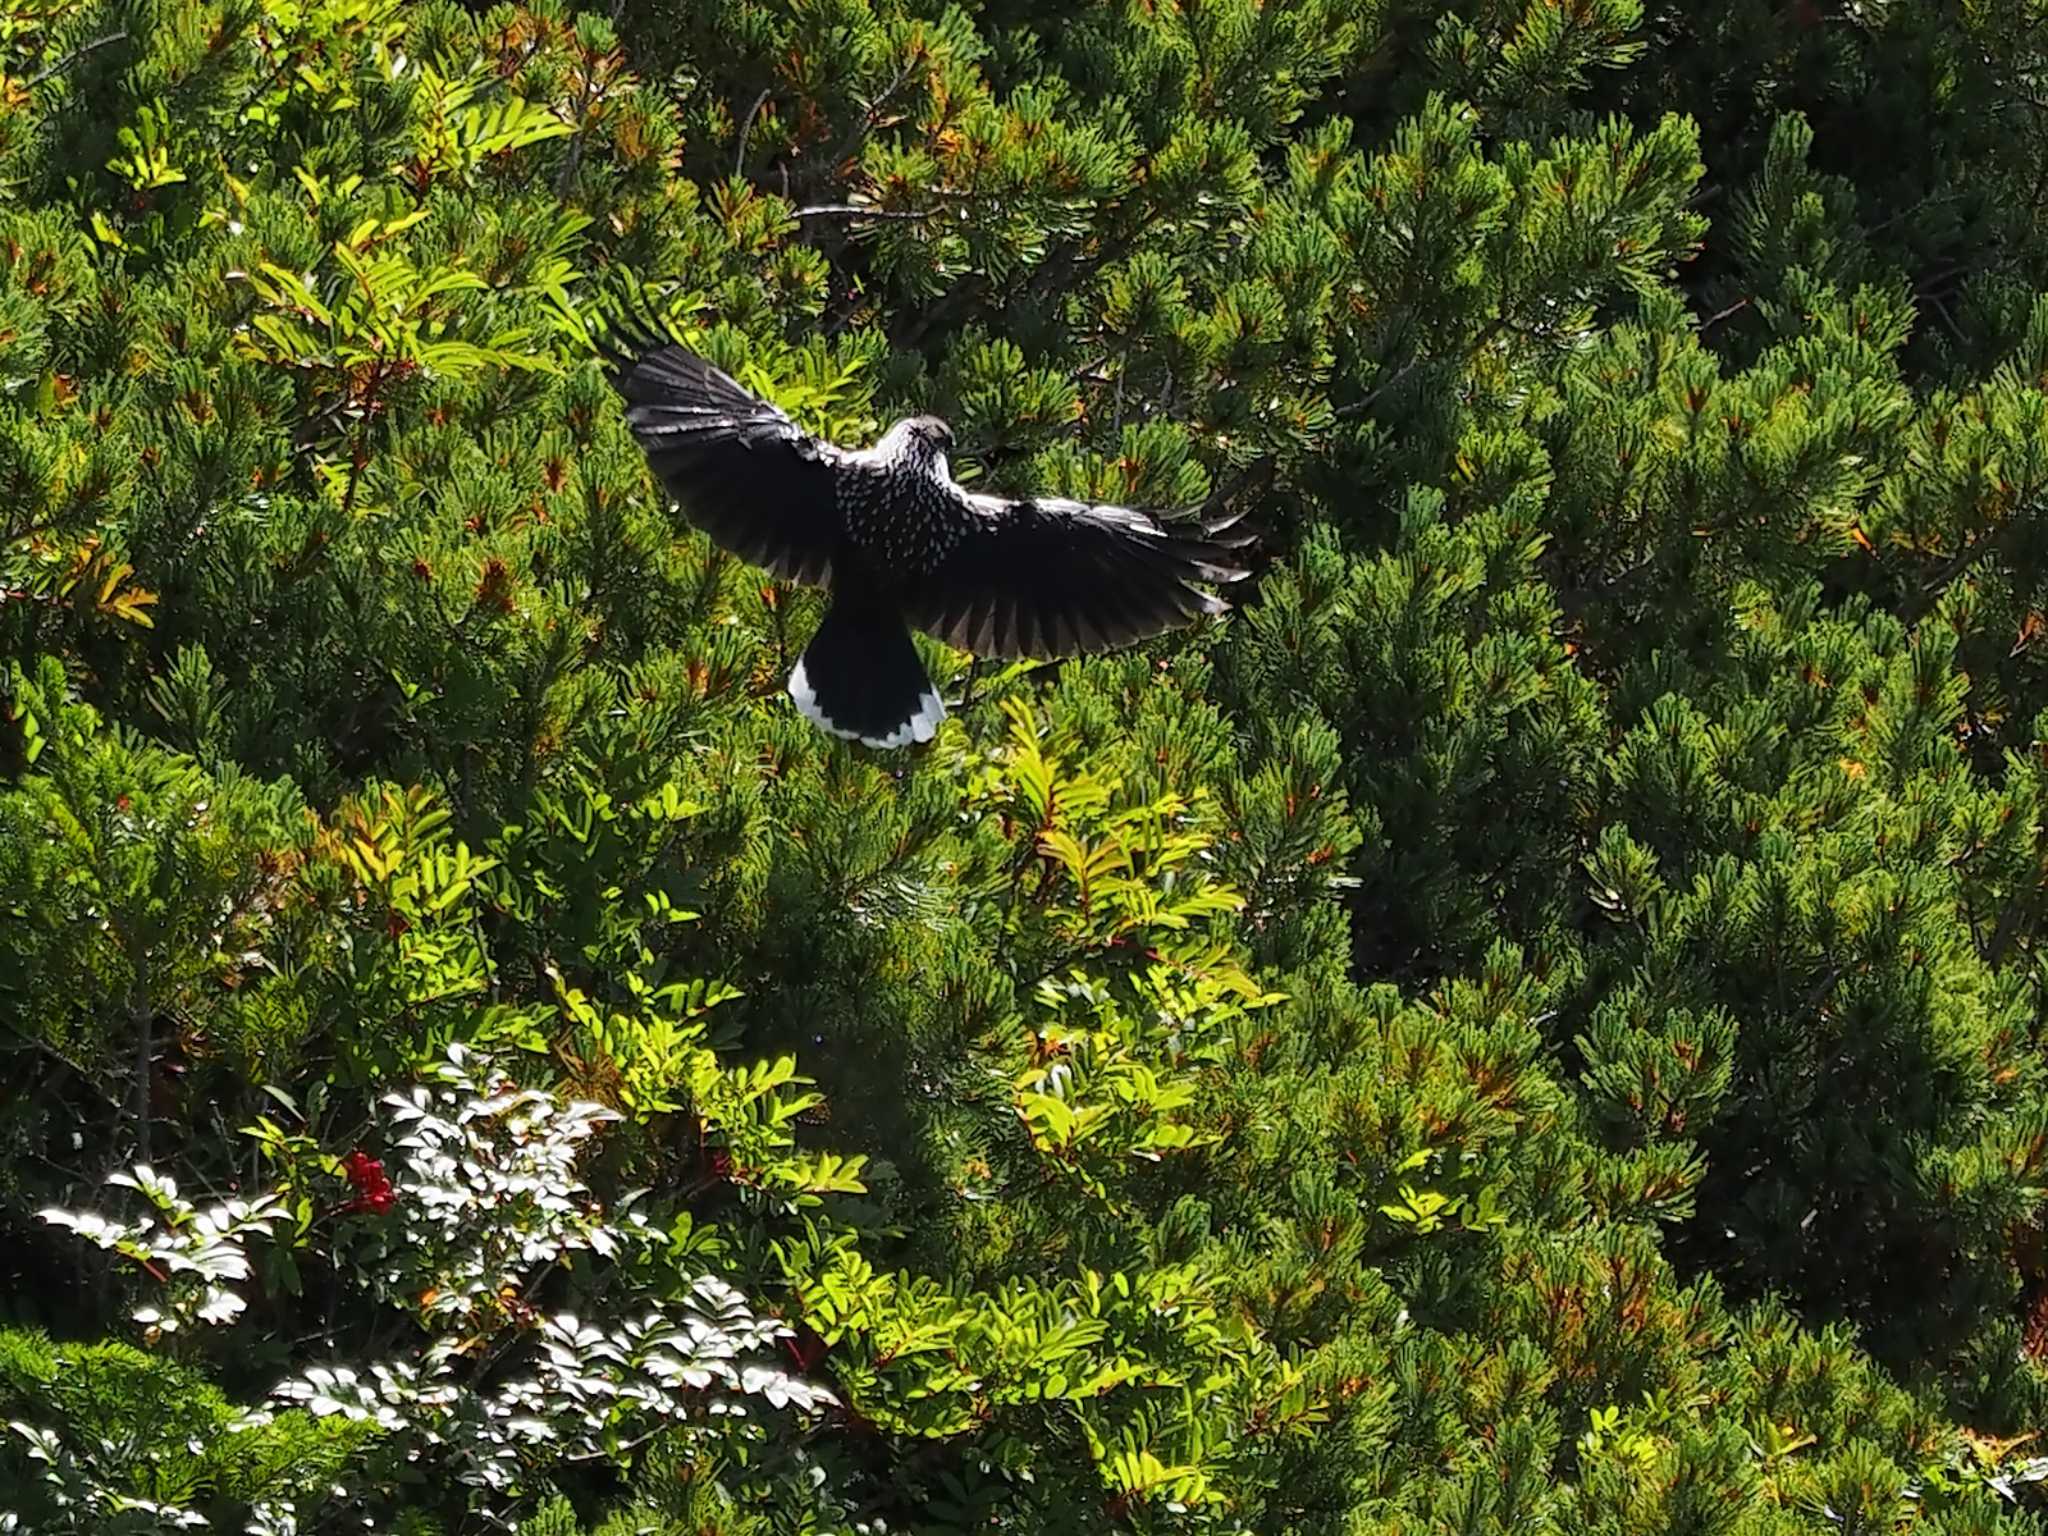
901	546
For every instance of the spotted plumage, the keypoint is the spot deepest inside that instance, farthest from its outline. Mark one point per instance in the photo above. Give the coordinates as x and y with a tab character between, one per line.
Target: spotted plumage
900	545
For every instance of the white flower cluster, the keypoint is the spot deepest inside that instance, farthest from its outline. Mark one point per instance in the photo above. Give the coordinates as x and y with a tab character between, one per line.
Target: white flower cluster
488	1205
588	1393
490	1192
195	1253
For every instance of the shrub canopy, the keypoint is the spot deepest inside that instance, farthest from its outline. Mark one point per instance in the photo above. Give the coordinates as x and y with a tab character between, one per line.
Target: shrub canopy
1532	1024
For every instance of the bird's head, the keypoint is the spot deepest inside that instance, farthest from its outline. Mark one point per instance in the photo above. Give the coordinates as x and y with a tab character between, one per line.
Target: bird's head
924	440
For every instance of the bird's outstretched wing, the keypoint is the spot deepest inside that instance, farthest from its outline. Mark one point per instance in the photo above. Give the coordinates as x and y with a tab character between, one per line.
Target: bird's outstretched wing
1048	577
740	469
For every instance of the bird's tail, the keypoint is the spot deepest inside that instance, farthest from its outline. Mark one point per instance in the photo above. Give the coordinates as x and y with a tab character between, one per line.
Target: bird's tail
860	678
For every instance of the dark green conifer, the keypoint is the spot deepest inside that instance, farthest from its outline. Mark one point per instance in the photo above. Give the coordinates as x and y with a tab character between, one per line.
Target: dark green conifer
1531	1023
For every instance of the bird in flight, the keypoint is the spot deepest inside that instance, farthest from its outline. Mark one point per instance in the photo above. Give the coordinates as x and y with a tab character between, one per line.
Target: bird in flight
900	546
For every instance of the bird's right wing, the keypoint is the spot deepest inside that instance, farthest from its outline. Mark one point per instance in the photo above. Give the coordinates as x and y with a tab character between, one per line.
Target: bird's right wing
740	469
1048	577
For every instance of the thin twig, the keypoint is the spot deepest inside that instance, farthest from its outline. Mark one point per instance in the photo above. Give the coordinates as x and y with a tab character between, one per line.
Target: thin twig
574	162
1607	586
1723	314
142	1016
1065	267
1260	472
1932	200
928	318
2001	937
1942	309
739	164
856	211
75	55
76	1069
1936	584
319	420
870	117
1360	407
1824	986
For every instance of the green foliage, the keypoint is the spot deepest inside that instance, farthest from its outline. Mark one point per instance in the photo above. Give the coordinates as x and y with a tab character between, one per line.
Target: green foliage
1533	1024
110	1438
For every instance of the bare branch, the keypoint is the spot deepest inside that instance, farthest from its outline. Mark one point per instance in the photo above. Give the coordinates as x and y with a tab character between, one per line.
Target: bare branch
71	58
739	164
871	116
77	1070
856	211
1723	314
1358	408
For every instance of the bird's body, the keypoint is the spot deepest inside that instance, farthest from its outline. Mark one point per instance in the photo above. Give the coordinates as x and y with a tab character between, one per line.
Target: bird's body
901	545
900	512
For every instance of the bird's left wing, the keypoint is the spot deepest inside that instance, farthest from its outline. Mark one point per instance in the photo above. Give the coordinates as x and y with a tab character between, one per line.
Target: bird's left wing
1048	577
740	469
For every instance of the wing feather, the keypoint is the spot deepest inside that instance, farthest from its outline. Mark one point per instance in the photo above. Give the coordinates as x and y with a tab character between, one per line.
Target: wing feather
740	469
1046	577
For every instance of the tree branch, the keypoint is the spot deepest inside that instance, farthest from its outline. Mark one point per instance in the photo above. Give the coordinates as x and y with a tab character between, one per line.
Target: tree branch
870	116
1921	603
574	161
142	1018
856	211
1724	314
71	58
739	164
1607	586
1358	408
76	1069
2002	935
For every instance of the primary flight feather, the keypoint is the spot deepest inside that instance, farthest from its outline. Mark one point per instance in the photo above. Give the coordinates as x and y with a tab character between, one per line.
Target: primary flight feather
901	546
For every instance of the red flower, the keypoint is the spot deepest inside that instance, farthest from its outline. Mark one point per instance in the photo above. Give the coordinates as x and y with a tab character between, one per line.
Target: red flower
372	1186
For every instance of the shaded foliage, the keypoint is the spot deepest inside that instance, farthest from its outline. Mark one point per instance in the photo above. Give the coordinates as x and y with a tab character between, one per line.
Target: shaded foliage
1531	1024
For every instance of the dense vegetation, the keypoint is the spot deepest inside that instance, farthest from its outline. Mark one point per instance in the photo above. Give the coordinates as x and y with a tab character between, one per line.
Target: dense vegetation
1534	1023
